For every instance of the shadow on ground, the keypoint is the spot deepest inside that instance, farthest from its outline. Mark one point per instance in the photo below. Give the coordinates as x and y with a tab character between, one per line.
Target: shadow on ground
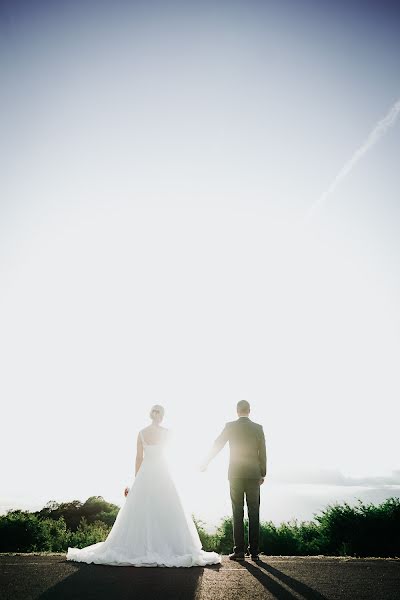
272	580
120	583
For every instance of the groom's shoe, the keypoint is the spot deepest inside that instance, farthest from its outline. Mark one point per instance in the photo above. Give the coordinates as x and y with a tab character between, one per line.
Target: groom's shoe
255	557
236	556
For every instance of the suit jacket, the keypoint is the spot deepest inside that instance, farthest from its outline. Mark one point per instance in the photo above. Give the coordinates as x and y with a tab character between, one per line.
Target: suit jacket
248	456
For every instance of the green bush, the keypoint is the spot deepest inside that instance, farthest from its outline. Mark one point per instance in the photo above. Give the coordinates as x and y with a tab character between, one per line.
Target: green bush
87	534
19	532
361	530
57	526
208	540
94	509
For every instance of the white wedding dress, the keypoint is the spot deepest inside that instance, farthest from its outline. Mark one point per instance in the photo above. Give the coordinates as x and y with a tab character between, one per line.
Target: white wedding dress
152	527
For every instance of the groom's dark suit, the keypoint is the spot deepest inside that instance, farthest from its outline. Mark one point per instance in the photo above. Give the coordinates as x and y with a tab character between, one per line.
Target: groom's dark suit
247	465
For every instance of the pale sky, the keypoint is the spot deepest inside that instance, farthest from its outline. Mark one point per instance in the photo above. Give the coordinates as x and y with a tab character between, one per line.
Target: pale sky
158	160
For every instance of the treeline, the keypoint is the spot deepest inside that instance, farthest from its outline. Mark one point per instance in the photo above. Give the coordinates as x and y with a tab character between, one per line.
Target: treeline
339	530
57	526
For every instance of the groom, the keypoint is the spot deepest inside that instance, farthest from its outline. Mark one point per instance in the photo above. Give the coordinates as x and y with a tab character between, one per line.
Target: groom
247	470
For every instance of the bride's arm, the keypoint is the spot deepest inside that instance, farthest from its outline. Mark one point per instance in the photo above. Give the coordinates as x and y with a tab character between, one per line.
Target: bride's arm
139	454
139	459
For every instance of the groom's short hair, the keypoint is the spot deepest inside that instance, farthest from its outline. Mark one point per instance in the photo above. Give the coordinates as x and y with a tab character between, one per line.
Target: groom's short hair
243	406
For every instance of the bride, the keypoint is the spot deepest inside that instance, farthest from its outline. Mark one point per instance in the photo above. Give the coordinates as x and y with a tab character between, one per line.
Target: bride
152	528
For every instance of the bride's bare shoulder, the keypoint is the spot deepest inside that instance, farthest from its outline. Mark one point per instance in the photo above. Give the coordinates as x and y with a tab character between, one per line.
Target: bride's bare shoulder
148	428
142	431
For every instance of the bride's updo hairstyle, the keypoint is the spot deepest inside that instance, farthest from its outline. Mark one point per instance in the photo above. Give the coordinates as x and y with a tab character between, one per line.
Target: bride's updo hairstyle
157	413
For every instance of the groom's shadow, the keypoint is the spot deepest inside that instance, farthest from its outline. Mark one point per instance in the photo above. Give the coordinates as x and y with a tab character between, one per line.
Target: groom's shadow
272	580
102	582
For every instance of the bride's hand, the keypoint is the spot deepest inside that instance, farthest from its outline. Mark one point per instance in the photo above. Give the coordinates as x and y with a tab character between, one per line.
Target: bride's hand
126	492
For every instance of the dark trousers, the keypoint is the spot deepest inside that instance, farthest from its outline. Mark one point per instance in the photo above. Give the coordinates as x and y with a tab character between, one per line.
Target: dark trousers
251	488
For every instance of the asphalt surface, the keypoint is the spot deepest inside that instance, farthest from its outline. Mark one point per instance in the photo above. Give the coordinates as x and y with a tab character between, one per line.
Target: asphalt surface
51	576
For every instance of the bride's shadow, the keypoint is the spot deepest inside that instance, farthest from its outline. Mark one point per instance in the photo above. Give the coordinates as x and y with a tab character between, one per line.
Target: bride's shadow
98	582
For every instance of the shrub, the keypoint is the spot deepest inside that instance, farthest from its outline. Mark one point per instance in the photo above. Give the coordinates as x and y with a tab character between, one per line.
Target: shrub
87	534
361	530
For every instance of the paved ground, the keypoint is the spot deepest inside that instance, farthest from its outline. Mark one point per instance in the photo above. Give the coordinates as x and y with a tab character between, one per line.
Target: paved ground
32	576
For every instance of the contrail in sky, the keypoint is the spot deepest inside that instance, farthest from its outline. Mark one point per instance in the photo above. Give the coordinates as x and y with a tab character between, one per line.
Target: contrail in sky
379	130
